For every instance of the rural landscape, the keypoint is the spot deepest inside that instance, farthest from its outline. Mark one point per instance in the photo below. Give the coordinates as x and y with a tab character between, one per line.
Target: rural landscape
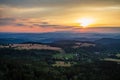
59	39
66	59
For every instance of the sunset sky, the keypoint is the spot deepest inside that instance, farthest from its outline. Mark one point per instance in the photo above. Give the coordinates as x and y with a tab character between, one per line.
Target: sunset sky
59	15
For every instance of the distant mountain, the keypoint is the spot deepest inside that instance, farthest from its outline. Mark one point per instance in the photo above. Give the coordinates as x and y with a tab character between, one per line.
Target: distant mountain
31	43
71	44
52	37
11	41
108	41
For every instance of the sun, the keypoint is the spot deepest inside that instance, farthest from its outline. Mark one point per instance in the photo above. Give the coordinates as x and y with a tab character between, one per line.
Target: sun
85	22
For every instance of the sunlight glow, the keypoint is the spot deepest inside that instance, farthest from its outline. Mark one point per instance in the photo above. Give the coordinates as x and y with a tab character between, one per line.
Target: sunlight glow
85	22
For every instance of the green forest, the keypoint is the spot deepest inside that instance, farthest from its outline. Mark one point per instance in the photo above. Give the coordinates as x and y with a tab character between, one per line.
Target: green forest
86	63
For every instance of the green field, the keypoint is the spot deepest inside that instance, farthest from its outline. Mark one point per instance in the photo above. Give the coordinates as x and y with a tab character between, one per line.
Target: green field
118	55
62	64
64	56
111	59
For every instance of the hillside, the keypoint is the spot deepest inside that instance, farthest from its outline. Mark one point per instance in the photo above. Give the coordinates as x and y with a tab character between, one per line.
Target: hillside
72	44
32	47
108	41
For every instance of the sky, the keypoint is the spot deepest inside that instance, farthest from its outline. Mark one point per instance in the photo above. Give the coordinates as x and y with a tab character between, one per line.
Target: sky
59	15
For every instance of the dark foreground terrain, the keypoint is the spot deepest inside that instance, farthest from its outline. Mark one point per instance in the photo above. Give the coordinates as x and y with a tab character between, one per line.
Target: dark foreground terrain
69	60
69	56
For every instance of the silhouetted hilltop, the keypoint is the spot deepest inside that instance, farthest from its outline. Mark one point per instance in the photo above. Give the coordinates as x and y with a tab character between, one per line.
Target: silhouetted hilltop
11	41
108	41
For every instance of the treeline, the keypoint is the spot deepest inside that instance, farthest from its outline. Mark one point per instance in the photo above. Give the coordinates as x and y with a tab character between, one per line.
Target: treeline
33	70
37	65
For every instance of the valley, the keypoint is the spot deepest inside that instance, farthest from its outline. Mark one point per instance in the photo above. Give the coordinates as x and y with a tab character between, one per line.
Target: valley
61	60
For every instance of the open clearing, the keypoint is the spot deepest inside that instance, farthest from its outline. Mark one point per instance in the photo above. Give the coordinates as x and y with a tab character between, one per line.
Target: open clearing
64	56
62	64
32	46
111	59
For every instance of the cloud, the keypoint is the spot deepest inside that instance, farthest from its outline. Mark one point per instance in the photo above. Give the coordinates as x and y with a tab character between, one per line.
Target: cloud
56	3
6	21
47	25
29	22
60	9
19	24
101	30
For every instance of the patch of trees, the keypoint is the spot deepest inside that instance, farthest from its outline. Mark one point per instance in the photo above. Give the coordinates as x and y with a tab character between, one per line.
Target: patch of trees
33	70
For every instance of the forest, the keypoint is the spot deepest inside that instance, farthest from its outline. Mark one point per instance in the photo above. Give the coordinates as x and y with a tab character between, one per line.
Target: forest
84	63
